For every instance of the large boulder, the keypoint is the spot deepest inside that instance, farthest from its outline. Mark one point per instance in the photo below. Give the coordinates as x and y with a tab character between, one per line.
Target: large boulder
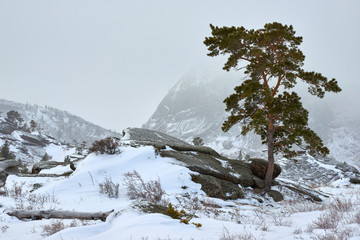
355	180
259	167
207	164
46	165
5	166
276	195
217	188
3	177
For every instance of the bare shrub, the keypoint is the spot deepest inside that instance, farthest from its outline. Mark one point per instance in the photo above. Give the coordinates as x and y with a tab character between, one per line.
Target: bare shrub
52	228
343	234
342	205
236	216
74	223
260	221
137	188
327	220
16	191
281	220
37	201
325	236
29	201
57	225
109	188
107	145
4	228
335	234
191	203
356	218
296	206
243	236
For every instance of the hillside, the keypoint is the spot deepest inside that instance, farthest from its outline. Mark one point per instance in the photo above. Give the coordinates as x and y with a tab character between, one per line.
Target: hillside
61	125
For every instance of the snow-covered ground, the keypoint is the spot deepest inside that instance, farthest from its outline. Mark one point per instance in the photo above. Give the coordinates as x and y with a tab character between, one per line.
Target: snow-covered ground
255	217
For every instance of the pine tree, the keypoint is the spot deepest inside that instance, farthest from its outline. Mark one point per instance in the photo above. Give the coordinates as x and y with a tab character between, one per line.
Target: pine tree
5	151
46	157
33	125
263	102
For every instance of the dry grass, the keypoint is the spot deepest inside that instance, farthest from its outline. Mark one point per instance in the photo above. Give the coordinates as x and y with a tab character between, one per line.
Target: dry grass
333	221
57	225
327	220
137	188
52	228
29	201
109	188
242	236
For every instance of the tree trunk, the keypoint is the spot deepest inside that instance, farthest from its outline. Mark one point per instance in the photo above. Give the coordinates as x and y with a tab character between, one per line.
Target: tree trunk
271	160
40	214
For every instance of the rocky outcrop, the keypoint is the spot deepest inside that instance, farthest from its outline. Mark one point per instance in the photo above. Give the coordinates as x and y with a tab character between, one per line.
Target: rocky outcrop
347	168
218	176
307	169
7	128
304	191
33	140
259	167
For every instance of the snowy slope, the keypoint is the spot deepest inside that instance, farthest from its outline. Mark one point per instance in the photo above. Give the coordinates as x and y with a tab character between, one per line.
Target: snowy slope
61	125
294	218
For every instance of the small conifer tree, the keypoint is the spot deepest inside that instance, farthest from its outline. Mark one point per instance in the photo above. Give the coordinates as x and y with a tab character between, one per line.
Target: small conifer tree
33	125
197	141
5	151
46	157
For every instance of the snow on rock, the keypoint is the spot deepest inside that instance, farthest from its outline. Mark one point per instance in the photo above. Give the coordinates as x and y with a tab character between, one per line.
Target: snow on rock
58	170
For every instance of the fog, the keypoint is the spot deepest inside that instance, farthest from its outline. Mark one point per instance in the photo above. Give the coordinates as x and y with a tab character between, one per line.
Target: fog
111	62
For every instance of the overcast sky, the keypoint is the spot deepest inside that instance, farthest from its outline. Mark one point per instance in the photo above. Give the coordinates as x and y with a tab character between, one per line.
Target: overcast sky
112	61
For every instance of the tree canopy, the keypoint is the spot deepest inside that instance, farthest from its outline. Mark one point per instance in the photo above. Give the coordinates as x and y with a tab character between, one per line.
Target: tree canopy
5	151
263	102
